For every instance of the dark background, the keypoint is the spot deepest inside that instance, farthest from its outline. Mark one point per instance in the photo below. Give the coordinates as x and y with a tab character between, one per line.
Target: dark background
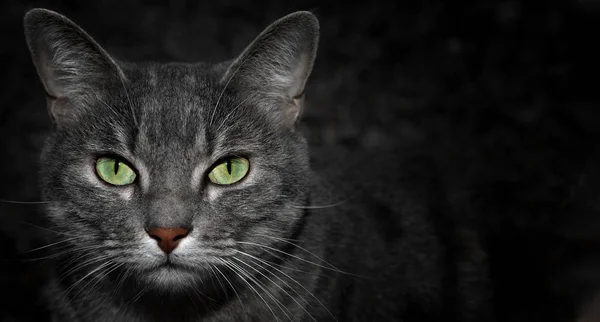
508	87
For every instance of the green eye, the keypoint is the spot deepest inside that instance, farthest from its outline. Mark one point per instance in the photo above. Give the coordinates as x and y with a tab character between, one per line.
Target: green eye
229	171
114	171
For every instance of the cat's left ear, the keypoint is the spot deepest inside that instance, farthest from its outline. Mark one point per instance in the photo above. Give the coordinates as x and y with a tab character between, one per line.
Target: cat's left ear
274	68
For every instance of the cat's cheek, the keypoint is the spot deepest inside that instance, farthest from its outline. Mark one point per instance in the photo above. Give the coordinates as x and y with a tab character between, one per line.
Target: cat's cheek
213	193
127	193
56	212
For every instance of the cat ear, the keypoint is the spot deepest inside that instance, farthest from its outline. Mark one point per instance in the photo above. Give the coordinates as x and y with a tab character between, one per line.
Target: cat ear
274	68
70	64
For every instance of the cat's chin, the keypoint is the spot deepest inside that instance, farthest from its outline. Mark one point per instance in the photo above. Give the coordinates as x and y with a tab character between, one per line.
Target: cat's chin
170	278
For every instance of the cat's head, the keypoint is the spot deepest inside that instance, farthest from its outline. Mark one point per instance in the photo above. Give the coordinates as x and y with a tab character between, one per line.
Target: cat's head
167	169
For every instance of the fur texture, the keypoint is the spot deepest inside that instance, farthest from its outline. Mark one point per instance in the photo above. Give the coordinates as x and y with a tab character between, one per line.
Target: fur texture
281	244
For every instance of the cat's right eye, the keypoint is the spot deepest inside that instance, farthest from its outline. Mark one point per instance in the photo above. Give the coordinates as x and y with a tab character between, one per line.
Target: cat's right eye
114	171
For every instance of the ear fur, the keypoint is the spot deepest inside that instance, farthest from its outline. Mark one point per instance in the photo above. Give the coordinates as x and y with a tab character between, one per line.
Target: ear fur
70	64
277	64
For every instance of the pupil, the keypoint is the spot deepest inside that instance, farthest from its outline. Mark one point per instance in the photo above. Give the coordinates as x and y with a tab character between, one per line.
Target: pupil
228	164
116	167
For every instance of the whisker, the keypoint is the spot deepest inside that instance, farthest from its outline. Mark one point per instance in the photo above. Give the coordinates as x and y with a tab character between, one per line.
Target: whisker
277	285
64	252
218	280
296	257
113	293
139	295
72	287
309	242
279	257
199	295
262	287
321	206
233	269
99	278
50	230
293	280
17	202
100	268
52	244
276	276
120	281
233	288
79	266
204	295
77	254
301	248
192	300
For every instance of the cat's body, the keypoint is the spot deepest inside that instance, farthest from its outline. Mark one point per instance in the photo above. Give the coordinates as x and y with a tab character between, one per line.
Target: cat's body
282	243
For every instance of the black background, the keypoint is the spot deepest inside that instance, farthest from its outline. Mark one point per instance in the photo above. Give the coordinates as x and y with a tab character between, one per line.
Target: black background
508	84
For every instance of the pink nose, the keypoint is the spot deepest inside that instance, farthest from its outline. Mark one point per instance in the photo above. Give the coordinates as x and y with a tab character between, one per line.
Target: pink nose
168	238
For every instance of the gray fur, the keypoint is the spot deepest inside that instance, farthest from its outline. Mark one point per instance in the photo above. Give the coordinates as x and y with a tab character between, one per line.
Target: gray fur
378	259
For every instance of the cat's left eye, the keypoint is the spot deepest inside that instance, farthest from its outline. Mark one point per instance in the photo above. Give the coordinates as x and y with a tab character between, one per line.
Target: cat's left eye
229	171
114	171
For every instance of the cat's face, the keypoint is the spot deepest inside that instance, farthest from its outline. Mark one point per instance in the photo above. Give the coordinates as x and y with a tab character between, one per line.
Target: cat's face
165	171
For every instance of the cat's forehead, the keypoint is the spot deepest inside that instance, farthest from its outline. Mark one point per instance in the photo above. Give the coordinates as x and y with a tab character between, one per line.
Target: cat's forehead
181	107
175	82
170	97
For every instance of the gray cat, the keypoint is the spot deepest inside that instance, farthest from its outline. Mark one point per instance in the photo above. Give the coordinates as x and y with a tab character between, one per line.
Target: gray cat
184	192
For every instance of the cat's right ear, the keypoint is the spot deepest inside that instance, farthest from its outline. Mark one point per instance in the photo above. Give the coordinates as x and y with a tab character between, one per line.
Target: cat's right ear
70	64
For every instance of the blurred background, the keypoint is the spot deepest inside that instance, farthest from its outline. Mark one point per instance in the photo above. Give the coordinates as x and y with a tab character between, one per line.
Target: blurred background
507	88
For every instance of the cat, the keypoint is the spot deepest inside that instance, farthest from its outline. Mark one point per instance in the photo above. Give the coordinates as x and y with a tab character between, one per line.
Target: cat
187	192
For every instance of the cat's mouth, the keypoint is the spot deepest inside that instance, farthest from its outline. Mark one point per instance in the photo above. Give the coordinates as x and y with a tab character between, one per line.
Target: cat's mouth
175	266
178	270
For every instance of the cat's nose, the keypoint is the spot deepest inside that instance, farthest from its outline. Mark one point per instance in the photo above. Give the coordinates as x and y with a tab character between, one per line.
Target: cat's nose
168	238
